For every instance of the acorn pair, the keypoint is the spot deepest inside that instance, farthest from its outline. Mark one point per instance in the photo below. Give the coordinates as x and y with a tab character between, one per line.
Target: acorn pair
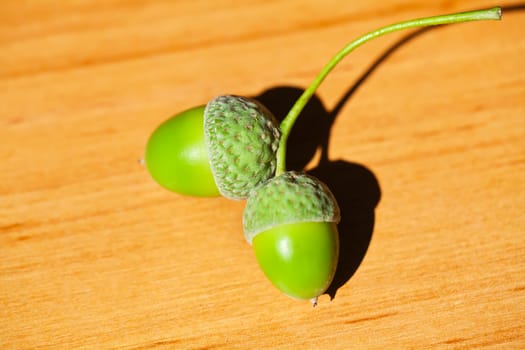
229	147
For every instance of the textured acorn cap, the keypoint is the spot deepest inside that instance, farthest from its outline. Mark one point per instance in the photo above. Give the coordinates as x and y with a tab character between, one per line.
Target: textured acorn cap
289	198
242	138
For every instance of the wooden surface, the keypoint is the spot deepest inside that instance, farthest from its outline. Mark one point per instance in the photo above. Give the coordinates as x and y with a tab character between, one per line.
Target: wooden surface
427	159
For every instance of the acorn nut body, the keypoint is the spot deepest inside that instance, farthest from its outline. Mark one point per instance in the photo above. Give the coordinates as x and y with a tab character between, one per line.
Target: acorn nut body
177	158
227	148
291	221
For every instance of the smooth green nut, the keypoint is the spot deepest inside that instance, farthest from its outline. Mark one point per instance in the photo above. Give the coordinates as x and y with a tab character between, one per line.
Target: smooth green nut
177	158
291	221
242	138
299	259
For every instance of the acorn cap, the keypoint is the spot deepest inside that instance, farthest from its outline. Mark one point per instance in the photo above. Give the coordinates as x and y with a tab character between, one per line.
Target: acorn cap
289	198
242	137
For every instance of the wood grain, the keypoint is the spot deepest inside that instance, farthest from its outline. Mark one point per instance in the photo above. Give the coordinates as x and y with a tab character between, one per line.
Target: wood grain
427	158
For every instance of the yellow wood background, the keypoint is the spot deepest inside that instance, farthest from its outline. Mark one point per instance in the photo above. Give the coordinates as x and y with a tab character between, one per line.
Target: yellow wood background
430	151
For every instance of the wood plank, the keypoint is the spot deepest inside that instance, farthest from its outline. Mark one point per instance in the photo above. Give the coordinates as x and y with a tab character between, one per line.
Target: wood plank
426	159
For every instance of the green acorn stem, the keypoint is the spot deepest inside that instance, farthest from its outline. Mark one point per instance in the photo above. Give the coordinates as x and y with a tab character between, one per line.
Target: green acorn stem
287	123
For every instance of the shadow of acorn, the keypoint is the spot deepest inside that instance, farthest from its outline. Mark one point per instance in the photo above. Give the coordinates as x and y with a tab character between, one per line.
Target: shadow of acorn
357	192
354	186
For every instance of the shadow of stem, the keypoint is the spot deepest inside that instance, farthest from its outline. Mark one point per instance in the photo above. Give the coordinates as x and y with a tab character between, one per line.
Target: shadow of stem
355	187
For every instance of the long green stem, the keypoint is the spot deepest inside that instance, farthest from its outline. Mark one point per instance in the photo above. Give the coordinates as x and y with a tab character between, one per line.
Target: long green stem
288	122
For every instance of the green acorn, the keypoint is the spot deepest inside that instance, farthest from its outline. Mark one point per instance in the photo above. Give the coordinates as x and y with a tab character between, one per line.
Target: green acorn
291	221
227	147
242	137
